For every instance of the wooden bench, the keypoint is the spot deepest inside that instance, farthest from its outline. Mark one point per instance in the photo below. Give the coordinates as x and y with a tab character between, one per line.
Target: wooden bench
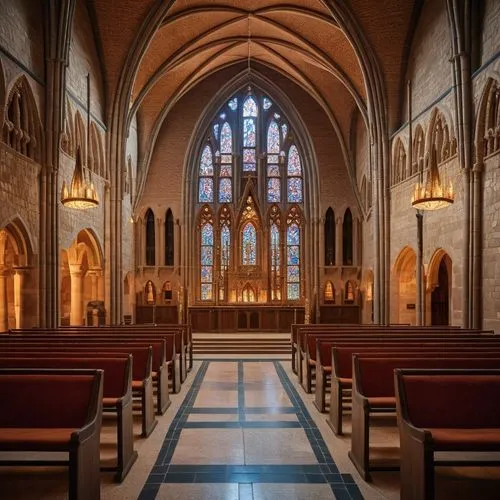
142	382
443	410
373	393
55	411
117	393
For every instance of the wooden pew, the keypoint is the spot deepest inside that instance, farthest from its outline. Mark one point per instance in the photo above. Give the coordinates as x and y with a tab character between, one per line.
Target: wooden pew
117	392
142	383
341	367
310	348
443	410
55	411
373	392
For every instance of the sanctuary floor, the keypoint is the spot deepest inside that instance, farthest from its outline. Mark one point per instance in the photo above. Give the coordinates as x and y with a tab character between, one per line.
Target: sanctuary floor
241	429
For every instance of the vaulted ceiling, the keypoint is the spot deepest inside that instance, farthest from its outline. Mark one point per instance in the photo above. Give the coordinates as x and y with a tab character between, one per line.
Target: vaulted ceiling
302	39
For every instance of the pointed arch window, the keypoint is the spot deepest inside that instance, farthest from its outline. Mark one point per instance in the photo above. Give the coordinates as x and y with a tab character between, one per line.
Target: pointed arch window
249	245
207	261
293	261
347	239
329	237
273	168
226	168
169	238
294	173
250	112
150	238
206	176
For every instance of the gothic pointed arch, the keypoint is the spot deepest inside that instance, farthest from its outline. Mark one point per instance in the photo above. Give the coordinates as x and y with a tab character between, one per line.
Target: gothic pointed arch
169	238
347	238
487	130
206	231
398	162
22	128
418	151
68	134
440	139
329	237
150	238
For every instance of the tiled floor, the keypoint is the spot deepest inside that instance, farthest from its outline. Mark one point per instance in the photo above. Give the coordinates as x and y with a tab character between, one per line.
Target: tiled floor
256	440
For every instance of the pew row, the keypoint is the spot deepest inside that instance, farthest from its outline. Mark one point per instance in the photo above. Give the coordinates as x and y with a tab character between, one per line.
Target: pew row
443	410
55	411
117	393
373	393
142	384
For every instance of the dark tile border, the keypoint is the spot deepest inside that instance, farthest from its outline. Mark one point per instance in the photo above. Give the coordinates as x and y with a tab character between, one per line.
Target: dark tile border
325	472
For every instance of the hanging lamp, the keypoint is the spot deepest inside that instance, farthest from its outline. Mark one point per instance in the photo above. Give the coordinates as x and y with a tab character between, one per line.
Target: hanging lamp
82	194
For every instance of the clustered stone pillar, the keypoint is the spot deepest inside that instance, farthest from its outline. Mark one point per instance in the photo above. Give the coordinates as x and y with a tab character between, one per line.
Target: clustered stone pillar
76	314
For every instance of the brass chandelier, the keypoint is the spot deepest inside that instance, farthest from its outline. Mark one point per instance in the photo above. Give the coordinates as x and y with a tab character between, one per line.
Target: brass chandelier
82	194
433	194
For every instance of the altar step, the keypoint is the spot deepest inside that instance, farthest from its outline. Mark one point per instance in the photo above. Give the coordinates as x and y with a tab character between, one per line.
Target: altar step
242	343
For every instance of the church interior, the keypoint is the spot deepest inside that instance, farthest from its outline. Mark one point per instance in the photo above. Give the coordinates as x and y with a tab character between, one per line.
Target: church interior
232	180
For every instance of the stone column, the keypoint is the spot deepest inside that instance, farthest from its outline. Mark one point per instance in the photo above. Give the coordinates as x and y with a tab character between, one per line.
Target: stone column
19	295
4	309
339	250
76	314
177	243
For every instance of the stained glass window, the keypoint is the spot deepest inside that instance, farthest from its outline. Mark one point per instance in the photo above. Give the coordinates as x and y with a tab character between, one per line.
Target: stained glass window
206	163
284	130
225	243
293	261
225	190
206	190
249	132
249	245
273	138
216	131
266	103
273	190
226	139
233	104
207	261
250	107
294	171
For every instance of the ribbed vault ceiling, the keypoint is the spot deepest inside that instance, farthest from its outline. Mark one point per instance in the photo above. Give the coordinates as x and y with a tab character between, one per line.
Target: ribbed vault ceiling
300	39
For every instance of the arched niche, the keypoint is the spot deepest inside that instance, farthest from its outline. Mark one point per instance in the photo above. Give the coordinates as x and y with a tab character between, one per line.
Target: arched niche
404	288
439	288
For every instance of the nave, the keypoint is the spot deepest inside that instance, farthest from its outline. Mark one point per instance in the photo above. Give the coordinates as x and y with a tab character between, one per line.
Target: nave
243	428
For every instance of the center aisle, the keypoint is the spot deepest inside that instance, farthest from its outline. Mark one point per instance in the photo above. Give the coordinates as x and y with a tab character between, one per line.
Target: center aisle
243	432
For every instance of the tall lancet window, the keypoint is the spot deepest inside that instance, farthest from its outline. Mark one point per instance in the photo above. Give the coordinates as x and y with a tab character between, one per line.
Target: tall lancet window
293	261
329	237
294	172
206	173
249	245
250	112
273	168
225	251
347	239
150	238
226	167
169	238
207	256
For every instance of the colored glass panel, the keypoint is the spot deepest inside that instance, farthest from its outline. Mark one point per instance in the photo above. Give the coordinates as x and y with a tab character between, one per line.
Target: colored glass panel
226	139
293	235
249	132
207	255
249	245
295	190
216	131
206	162
207	235
284	130
225	241
225	171
223	116
266	103
277	116
250	107
275	245
273	138
249	155
225	190
206	291
294	167
226	158
273	190
233	104
293	256
293	274
206	274
273	171
206	193
272	158
293	291
248	167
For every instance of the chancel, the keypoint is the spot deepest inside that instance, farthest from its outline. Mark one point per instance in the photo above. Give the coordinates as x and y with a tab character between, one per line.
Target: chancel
263	236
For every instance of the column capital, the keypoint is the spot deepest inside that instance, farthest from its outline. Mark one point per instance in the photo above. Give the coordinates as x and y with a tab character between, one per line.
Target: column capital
22	269
75	269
